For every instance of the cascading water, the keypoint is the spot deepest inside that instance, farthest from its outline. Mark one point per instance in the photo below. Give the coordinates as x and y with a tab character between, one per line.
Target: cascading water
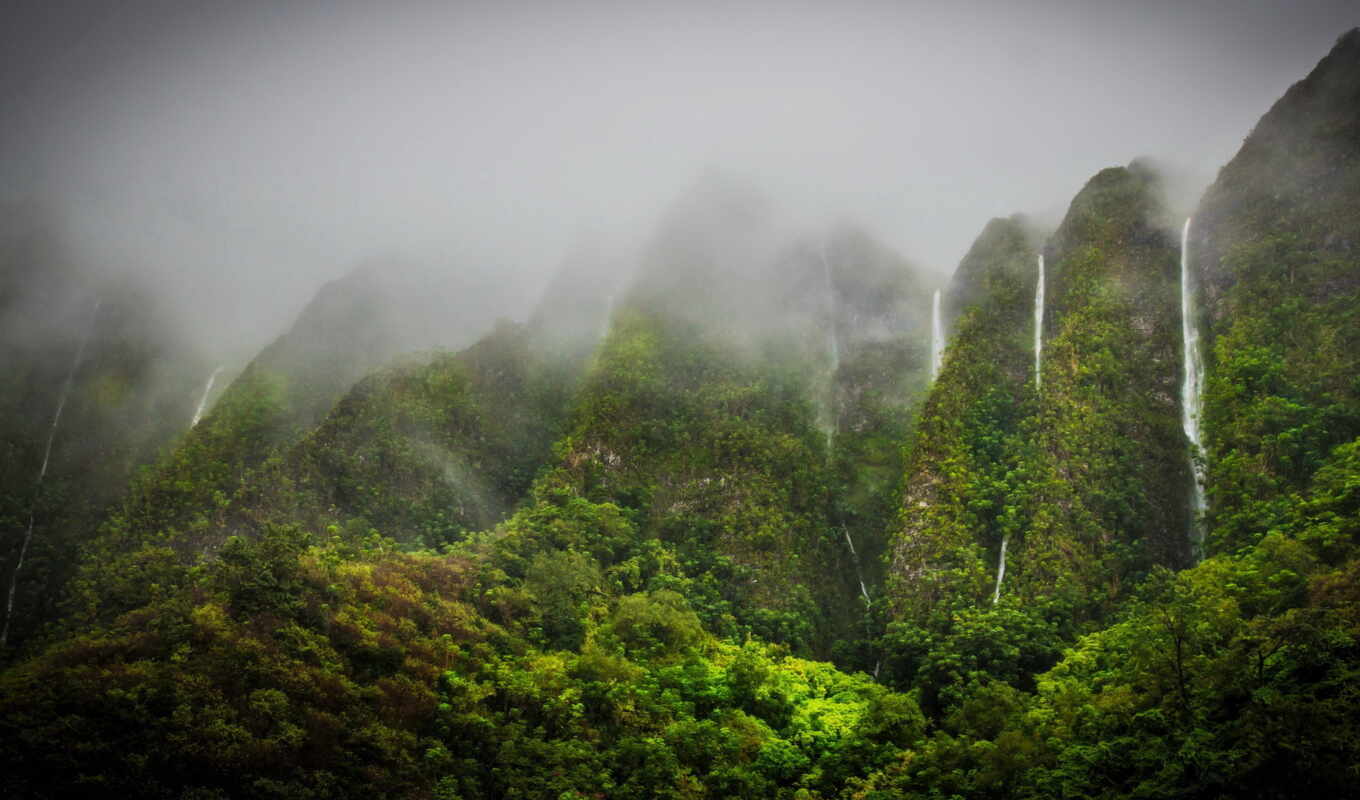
1038	327
833	345
608	318
863	590
936	337
1192	399
203	401
833	348
42	473
1000	568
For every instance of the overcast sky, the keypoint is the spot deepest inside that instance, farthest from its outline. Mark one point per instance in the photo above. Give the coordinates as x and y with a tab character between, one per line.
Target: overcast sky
245	152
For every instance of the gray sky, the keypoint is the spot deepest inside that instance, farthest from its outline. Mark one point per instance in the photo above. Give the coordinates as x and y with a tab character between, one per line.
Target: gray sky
245	152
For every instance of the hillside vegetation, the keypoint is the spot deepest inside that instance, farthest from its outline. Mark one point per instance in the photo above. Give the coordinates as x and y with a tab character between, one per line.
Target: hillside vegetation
721	534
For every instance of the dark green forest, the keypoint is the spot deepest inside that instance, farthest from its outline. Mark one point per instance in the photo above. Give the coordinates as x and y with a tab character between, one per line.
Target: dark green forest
685	543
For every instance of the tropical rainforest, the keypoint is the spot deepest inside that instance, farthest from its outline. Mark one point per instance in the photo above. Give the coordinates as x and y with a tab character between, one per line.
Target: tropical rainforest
763	522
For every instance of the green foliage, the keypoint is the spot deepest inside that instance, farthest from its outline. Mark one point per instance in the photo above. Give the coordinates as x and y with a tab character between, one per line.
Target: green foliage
101	349
477	578
421	453
689	468
293	670
1275	249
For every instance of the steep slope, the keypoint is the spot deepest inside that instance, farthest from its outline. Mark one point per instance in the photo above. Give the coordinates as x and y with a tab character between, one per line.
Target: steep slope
569	650
880	322
1112	478
1079	483
420	453
93	382
700	448
961	494
1276	244
711	457
1233	678
572	318
352	327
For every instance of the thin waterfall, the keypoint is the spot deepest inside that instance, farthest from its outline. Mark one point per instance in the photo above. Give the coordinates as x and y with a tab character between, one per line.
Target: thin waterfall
1000	567
608	318
1038	330
863	590
833	345
42	473
936	337
1192	399
203	401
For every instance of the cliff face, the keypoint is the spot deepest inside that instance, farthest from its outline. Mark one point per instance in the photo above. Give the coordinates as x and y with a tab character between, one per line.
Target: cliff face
1289	194
958	503
1276	247
419	453
573	559
1086	481
353	326
752	444
1113	480
102	350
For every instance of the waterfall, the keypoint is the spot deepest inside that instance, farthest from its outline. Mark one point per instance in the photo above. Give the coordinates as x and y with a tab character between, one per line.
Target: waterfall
203	401
863	590
1038	330
42	472
608	318
833	345
1192	399
936	337
1001	565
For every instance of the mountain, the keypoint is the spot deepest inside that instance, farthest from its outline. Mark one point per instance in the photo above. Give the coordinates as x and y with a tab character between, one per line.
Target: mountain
93	384
1275	244
714	529
957	505
1082	477
1113	476
702	434
1229	678
420	452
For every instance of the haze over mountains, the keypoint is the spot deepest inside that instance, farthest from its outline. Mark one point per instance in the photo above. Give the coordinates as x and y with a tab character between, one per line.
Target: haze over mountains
745	503
243	155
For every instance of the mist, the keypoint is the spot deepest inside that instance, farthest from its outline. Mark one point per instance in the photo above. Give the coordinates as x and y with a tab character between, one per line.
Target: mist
237	156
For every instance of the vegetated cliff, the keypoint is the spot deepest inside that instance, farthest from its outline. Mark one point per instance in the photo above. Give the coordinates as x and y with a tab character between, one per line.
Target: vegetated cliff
563	651
731	364
1110	494
881	321
605	636
418	453
1276	245
1085	480
94	381
962	493
1230	678
352	327
1082	483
